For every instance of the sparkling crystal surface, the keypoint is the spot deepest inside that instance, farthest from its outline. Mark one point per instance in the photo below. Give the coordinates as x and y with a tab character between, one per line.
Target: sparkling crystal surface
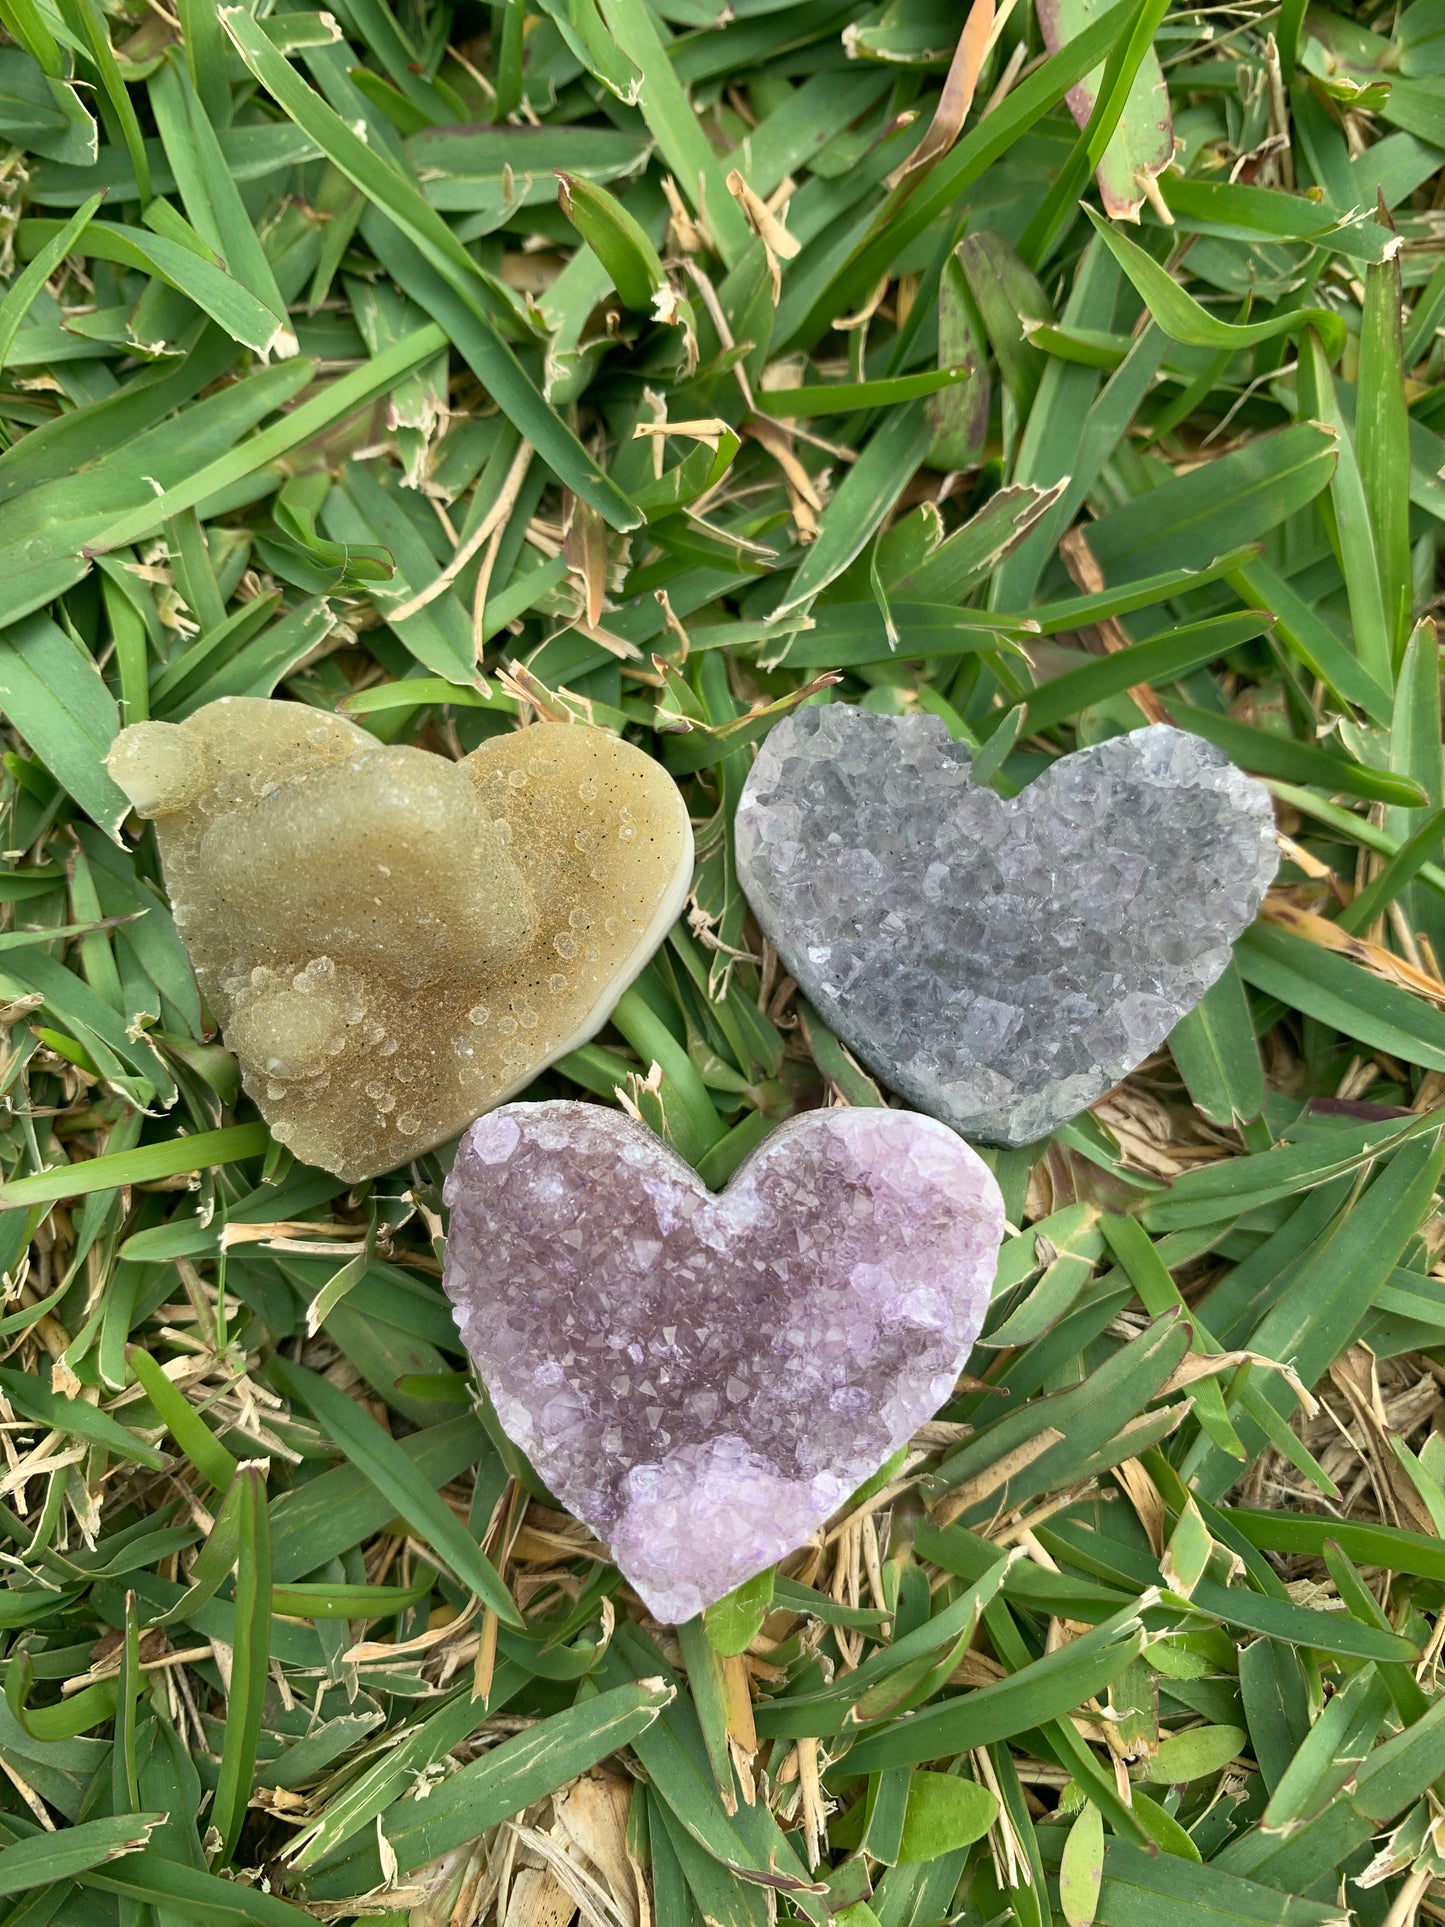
1000	963
704	1379
393	942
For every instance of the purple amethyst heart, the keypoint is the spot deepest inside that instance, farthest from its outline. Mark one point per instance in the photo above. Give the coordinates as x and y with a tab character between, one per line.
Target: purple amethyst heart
704	1379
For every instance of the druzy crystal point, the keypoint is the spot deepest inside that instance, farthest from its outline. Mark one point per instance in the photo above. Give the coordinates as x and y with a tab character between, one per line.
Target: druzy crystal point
393	942
1000	963
704	1379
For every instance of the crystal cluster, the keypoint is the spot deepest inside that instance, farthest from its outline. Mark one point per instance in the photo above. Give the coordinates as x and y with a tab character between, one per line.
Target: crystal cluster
393	942
704	1379
999	963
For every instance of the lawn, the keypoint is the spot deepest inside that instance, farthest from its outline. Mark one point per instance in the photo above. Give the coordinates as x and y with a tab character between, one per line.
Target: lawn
656	366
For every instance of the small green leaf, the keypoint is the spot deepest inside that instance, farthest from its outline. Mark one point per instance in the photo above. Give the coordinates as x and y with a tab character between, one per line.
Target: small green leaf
1081	1870
944	1813
1197	1754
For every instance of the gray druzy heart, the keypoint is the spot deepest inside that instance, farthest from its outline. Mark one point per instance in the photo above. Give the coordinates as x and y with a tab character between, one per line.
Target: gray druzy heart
999	962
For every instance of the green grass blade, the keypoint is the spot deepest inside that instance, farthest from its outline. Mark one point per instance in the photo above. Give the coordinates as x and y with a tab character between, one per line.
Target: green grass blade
46	1857
144	1165
250	1657
378	1457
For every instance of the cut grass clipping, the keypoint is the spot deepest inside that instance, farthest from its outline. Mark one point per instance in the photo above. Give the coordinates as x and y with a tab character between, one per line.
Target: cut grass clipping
1049	370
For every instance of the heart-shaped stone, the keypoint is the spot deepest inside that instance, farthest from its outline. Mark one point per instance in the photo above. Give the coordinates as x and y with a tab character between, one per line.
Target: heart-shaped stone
999	963
393	942
702	1379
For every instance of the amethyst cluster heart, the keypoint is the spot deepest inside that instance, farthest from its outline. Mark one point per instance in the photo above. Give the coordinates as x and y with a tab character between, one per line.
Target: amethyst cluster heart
703	1379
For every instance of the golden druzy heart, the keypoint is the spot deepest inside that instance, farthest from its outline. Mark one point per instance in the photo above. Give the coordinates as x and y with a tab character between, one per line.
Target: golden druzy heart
391	942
